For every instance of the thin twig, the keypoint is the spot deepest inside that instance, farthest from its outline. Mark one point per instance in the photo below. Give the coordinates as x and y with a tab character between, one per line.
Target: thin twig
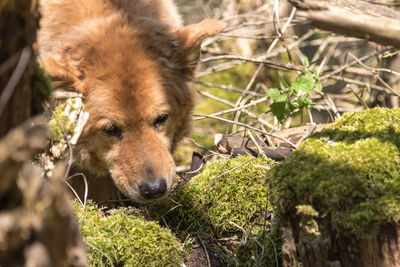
86	186
255	37
275	251
9	63
387	85
364	84
75	193
15	78
200	146
239	227
205	250
258	118
229	88
309	131
234	63
352	88
101	252
354	62
374	69
66	139
252	103
215	98
260	151
239	100
246	126
269	63
225	173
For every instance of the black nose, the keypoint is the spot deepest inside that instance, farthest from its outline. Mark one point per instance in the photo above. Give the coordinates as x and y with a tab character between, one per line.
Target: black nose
153	189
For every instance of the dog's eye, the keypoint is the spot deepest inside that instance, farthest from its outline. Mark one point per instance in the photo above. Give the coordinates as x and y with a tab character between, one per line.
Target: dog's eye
113	130
160	120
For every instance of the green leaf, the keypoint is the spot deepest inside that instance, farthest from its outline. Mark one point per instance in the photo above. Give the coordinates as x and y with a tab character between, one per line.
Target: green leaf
279	109
306	62
276	95
282	98
273	93
305	101
304	83
295	104
300	103
316	74
318	86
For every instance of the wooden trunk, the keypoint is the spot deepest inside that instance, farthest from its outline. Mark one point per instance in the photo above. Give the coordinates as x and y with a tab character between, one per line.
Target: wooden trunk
336	250
18	23
37	224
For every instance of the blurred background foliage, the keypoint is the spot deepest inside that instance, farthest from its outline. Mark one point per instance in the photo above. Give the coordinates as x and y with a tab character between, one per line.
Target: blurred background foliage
270	31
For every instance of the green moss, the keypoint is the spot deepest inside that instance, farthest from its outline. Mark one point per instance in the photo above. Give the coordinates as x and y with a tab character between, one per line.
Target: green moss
123	237
223	203
41	82
349	173
60	123
261	250
227	199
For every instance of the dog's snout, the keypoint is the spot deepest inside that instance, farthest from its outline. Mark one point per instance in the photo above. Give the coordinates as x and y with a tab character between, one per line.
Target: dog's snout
153	189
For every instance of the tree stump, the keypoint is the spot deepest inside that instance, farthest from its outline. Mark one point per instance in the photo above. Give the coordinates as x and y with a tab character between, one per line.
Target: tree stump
337	194
383	249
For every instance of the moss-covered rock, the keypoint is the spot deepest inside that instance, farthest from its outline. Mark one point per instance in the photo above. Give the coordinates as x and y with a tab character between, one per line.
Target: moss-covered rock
349	174
122	237
226	197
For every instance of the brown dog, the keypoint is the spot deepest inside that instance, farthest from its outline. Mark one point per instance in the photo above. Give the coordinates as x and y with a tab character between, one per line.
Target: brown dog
134	64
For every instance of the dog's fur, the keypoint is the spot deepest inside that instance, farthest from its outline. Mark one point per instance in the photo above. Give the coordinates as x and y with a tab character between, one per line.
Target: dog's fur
133	62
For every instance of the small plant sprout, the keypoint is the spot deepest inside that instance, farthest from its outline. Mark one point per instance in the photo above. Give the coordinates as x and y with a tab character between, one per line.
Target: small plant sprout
291	100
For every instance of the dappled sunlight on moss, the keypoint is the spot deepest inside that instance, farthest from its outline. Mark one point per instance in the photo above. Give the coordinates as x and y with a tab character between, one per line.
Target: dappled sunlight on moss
227	199
349	173
122	237
238	196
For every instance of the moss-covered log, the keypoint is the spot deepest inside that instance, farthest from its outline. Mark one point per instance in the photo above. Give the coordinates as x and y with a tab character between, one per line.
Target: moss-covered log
339	193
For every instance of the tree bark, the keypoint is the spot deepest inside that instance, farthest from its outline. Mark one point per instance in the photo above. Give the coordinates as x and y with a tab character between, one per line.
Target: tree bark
18	23
353	18
37	225
335	250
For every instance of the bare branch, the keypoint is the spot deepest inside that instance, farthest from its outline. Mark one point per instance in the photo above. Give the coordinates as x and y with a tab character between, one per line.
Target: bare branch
354	18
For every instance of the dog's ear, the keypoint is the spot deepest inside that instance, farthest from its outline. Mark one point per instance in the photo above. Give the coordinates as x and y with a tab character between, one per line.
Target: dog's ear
191	35
190	38
66	69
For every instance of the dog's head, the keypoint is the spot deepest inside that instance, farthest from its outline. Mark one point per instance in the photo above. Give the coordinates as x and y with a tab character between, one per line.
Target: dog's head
137	87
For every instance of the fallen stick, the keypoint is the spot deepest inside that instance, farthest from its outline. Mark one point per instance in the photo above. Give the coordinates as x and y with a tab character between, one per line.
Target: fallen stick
276	149
353	18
